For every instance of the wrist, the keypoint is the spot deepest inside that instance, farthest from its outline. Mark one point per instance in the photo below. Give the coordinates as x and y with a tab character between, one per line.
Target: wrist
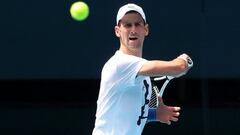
152	115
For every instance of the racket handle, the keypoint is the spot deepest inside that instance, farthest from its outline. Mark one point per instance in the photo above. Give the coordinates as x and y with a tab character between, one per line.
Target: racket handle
189	62
187	59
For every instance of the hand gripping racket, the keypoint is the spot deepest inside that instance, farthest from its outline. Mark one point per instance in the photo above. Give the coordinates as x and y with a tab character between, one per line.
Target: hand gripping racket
159	93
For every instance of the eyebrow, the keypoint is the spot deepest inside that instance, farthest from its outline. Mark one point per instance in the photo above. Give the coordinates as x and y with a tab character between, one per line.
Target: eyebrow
133	22
127	22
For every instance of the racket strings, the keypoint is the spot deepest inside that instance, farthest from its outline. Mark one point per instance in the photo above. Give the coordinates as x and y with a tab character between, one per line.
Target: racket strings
153	103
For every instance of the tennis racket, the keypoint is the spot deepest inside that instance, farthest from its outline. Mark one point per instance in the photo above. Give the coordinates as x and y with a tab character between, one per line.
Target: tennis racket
159	93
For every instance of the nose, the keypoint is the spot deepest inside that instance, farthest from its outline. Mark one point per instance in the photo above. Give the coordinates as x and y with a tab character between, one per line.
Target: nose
133	29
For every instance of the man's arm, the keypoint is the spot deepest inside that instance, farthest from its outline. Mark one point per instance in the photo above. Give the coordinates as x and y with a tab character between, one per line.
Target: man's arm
175	68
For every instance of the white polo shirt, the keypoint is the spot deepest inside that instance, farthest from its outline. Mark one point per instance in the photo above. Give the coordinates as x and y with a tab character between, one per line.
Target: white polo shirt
122	106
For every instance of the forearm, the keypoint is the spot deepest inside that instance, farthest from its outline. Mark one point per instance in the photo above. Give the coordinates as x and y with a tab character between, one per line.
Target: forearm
163	68
176	67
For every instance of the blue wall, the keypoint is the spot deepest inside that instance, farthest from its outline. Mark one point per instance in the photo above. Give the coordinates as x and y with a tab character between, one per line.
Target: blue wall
39	39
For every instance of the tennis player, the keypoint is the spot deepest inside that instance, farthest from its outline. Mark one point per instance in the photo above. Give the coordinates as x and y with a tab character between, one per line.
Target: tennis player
125	89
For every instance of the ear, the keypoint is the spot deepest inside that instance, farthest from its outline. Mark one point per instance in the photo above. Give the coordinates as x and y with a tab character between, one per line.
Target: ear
146	30
117	31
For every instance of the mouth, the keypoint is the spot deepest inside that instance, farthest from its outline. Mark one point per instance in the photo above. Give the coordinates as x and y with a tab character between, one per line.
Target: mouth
133	38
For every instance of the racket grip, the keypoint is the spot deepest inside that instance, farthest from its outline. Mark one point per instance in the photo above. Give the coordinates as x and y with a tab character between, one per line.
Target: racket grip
189	62
187	59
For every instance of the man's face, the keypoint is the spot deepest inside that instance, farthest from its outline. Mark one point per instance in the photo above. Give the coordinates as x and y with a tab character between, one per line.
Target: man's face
132	31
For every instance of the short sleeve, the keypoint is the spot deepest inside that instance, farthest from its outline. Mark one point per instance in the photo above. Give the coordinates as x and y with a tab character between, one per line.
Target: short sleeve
128	67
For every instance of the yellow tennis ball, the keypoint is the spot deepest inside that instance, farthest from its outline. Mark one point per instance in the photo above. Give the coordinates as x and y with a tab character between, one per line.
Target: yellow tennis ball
79	11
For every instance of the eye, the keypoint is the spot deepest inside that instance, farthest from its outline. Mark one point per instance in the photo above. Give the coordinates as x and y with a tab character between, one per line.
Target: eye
128	25
139	24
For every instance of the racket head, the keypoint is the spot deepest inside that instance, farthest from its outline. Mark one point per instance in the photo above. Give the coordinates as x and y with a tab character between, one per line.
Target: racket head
156	92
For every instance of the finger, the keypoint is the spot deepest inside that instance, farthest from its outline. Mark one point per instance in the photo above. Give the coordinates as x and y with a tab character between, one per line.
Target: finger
174	119
176	108
168	122
176	114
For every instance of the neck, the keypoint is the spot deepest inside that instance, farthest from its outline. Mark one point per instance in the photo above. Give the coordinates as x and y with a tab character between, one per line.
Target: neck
134	52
